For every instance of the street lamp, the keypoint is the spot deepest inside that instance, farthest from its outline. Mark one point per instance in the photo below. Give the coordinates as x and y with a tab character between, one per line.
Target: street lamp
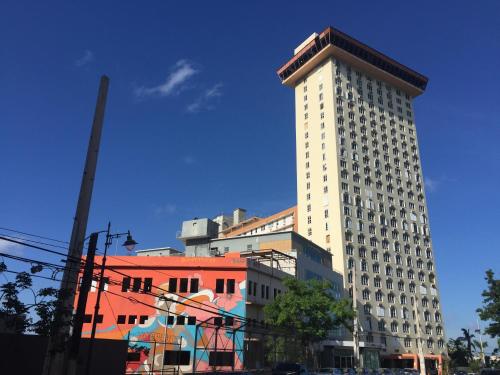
168	302
129	244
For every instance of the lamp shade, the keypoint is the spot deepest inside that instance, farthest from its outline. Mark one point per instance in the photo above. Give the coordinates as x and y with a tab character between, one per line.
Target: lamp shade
129	242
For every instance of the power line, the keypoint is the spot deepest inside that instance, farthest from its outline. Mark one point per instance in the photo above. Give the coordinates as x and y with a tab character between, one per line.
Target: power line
37	242
123	274
217	312
34	235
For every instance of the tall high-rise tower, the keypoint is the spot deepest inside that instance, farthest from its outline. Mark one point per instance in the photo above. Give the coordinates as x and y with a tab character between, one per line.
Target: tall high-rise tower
360	188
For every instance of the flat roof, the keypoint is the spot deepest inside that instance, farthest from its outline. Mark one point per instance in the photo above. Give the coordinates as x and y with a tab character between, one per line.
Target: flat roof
334	42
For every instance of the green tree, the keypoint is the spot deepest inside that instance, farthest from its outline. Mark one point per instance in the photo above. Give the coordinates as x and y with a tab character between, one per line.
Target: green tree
15	314
490	311
309	311
467	338
457	353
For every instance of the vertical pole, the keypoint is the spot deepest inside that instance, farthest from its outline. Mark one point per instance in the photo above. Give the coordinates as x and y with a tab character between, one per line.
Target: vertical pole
195	345
154	356
216	354
419	338
165	340
483	359
355	330
56	356
234	348
98	301
179	355
82	298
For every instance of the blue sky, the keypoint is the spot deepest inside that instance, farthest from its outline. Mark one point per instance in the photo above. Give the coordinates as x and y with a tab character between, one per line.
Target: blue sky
198	123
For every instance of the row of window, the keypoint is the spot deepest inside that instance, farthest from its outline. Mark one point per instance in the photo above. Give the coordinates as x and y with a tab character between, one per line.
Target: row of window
362	252
183	357
253	287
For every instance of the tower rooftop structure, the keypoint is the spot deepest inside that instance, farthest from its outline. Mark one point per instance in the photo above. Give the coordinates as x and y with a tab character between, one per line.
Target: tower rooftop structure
333	42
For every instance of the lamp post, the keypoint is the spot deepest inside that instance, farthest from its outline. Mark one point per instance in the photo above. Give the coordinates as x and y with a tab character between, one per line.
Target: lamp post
129	244
168	302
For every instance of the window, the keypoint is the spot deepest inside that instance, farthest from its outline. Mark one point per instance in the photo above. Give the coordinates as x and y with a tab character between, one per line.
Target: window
177	357
219	358
132	319
367	309
136	286
366	294
148	283
219	286
250	287
191	320
194	286
125	284
87	318
183	285
407	342
230	286
143	319
181	320
121	319
394	327
172	285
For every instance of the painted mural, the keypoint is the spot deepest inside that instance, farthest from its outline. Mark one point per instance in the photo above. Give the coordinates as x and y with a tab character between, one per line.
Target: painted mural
164	328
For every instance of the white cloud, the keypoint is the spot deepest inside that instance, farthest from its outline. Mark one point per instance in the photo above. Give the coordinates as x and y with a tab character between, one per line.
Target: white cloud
181	72
168	208
88	57
431	184
11	248
204	101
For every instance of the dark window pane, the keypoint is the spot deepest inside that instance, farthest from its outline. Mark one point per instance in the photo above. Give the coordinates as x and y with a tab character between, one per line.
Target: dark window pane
218	321
183	285
100	318
262	291
172	285
220	359
181	320
148	283
191	320
249	287
125	284
219	286
133	356
230	286
229	321
121	319
267	291
105	283
176	357
87	318
170	320
143	319
194	285
132	319
136	286
255	289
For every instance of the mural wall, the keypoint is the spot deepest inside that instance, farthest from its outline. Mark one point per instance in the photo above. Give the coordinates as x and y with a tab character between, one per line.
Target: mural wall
172	306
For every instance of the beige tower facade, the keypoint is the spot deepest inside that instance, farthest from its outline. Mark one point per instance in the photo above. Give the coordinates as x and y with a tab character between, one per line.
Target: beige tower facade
360	189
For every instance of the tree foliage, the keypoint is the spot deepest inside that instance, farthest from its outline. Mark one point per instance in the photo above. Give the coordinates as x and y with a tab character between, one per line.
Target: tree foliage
490	311
308	311
467	339
457	352
15	314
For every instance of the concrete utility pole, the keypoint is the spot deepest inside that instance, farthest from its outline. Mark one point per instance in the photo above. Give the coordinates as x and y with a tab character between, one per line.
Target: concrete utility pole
57	356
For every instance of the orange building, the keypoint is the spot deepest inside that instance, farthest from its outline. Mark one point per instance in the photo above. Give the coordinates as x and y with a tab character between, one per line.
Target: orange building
192	313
